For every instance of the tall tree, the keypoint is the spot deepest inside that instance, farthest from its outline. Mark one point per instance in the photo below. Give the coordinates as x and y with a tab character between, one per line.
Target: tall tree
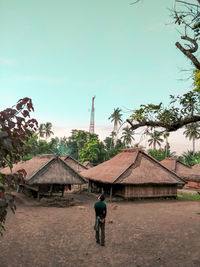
41	130
192	132
186	17
116	117
127	136
155	139
47	129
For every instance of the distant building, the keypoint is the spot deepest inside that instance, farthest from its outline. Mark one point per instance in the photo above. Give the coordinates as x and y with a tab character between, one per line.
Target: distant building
190	175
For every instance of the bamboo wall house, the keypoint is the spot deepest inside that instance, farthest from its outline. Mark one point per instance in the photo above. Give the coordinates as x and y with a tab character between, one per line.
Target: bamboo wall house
46	174
133	174
190	175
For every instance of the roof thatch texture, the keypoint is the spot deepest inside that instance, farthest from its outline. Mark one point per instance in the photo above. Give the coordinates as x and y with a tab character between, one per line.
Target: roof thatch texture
74	164
46	169
132	166
185	171
196	167
30	166
87	164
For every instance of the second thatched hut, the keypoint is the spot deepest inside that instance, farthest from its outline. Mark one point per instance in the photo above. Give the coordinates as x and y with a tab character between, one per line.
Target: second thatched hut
133	174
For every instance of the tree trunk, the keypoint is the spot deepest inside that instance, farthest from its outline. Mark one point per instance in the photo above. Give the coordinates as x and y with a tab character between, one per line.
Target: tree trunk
193	143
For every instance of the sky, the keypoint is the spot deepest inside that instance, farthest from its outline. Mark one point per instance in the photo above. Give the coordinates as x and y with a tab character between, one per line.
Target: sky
62	53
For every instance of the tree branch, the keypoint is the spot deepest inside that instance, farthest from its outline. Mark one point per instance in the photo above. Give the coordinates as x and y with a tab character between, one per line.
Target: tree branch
189	52
169	127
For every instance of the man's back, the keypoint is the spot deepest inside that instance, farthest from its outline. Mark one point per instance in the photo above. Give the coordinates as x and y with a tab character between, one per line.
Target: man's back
100	209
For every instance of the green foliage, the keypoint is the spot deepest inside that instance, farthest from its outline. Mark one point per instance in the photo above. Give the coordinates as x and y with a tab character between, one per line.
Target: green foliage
161	154
192	132
127	136
179	113
190	158
155	139
47	129
112	150
196	80
116	117
90	152
186	196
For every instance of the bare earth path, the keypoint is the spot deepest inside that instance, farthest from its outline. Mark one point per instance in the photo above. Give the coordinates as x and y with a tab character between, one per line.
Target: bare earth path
146	233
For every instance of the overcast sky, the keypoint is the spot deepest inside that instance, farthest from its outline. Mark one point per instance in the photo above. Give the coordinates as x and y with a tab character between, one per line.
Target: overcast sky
62	53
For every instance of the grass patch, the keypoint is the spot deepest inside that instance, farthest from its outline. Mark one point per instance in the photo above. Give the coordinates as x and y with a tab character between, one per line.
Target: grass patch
186	196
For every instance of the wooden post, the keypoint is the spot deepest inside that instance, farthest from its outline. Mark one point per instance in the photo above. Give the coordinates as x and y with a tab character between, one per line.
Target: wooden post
111	193
51	189
63	190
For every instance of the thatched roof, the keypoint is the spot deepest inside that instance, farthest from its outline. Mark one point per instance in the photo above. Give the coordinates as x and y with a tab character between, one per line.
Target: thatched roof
195	173
87	164
185	171
196	167
132	166
46	169
74	164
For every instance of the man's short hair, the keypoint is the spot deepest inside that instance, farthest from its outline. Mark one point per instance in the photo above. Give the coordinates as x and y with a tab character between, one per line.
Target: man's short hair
102	197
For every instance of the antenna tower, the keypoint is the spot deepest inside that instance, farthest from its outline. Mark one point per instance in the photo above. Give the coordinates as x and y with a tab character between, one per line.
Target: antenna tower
91	130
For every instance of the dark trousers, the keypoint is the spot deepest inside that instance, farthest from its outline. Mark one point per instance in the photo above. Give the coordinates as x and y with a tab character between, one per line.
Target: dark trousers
100	228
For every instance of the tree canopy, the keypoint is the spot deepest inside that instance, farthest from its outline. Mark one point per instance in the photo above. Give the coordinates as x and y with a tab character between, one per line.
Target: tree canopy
181	110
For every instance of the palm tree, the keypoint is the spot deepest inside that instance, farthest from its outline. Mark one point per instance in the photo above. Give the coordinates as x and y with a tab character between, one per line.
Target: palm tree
155	139
41	130
127	136
116	118
190	158
47	129
192	132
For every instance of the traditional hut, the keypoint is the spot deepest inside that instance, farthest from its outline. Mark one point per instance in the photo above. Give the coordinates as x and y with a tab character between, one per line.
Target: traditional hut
133	174
74	164
46	174
190	175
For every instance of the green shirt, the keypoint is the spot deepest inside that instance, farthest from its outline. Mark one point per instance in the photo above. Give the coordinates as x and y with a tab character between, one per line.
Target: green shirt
100	209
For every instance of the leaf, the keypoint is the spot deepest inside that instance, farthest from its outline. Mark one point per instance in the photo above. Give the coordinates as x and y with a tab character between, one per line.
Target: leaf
25	113
19	106
11	124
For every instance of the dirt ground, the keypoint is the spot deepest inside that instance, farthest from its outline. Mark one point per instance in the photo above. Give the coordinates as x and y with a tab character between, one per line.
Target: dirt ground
138	233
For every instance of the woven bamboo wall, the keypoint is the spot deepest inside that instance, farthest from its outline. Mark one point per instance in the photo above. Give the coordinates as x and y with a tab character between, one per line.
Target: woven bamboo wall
143	191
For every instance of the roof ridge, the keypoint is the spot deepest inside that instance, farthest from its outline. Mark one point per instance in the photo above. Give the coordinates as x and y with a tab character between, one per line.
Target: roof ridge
68	156
132	163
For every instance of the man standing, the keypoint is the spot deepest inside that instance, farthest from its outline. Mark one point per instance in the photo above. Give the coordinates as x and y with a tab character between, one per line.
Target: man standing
100	210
